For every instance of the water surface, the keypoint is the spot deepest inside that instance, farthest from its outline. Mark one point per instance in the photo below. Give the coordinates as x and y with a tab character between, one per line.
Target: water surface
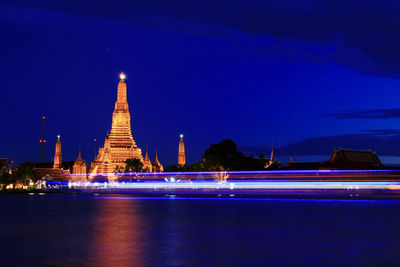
65	230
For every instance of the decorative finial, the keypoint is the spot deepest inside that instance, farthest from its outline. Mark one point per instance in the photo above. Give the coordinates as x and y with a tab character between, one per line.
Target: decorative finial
181	136
122	76
58	136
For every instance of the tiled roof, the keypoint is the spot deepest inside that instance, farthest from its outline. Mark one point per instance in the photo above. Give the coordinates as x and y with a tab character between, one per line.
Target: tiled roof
347	156
57	174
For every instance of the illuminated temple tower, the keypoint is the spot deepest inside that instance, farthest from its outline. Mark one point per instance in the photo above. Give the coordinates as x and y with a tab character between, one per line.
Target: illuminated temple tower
79	168
181	153
119	144
147	165
58	155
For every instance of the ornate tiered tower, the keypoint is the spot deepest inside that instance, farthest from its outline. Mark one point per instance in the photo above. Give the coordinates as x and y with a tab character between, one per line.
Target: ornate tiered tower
119	144
79	169
58	156
181	153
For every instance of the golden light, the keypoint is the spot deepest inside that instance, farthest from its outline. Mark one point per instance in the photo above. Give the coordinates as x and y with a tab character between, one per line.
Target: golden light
122	76
181	136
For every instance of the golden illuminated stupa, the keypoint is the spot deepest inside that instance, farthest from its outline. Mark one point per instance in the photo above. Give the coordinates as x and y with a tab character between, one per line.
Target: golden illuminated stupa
119	144
58	155
181	153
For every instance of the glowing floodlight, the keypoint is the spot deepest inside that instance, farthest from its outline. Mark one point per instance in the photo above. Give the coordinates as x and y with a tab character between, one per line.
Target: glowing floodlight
181	136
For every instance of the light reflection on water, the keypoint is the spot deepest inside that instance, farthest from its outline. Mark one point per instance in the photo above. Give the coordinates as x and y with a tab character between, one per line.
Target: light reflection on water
117	234
65	230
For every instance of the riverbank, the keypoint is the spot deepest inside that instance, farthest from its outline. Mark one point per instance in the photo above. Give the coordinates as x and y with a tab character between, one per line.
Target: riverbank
237	189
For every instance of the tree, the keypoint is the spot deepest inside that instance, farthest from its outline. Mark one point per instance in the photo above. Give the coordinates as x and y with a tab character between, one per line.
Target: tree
119	169
224	156
133	165
171	168
25	173
7	178
177	168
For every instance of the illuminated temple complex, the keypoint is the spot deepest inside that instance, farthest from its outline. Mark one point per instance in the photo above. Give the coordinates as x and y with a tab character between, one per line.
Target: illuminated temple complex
119	144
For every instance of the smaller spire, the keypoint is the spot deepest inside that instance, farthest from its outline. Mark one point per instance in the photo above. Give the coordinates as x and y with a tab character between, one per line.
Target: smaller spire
272	151
181	136
147	154
58	136
157	167
156	161
79	154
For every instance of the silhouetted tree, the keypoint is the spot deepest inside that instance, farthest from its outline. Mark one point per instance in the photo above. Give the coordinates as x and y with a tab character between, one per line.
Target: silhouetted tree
176	168
25	173
119	169
133	165
224	156
171	168
7	178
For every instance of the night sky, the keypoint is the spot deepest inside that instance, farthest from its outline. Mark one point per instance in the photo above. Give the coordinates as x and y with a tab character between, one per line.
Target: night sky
311	75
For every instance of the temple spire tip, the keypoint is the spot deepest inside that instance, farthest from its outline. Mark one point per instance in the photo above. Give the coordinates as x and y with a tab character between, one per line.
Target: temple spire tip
122	76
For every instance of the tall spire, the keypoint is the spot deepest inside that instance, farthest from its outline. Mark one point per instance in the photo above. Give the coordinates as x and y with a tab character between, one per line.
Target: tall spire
58	155
119	144
121	133
181	153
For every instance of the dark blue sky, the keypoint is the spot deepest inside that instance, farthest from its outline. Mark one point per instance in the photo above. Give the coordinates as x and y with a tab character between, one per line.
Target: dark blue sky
312	75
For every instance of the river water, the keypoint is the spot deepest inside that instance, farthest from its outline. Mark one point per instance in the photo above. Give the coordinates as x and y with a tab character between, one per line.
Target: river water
118	230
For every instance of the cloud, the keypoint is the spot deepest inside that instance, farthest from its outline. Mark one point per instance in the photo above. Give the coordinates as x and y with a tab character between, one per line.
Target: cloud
383	141
362	35
384	132
367	114
25	14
